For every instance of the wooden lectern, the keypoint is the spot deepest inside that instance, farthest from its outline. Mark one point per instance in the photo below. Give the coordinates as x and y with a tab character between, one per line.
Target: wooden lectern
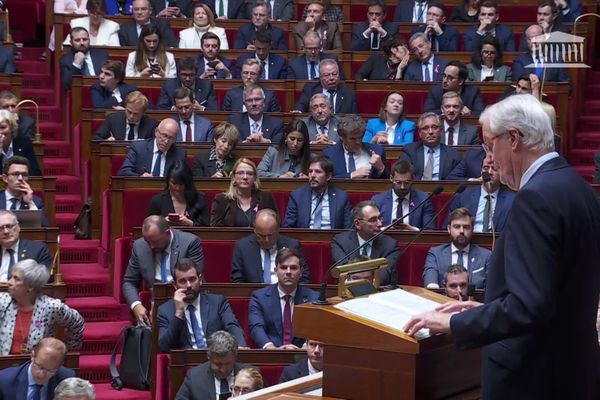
366	360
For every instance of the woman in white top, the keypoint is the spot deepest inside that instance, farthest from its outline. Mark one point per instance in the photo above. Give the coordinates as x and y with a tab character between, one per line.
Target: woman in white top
487	63
150	59
65	7
103	32
203	21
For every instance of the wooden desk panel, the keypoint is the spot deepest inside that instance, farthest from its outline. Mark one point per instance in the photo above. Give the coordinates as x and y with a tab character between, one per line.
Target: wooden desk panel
45	187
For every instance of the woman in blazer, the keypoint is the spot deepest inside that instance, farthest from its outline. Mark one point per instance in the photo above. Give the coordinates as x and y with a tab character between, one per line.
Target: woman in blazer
291	157
390	127
218	161
203	21
487	63
103	32
387	66
150	58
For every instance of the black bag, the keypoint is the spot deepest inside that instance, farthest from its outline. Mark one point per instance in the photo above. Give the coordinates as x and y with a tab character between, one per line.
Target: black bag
134	371
83	223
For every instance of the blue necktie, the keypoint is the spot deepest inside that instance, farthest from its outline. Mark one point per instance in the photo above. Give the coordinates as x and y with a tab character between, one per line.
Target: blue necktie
85	71
313	70
263	72
351	163
11	262
14	201
267	267
539	69
198	332
427	75
459	259
318	212
36	392
224	386
156	167
163	267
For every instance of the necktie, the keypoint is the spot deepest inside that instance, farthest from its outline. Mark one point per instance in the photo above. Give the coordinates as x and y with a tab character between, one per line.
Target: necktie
428	171
486	213
399	209
365	250
287	320
263	73
421	12
318	212
375	41
351	163
224	386
85	71
196	328
255	127
539	68
221	12
163	266
323	130
11	263
267	266
450	136
131	134
156	167
37	392
332	100
188	131
14	201
427	75
459	259
313	70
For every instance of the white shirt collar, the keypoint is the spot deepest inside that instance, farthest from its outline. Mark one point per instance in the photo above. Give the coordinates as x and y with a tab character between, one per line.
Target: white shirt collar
535	166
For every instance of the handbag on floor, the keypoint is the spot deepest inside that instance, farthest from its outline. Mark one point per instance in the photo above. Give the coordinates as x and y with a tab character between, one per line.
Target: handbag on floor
136	352
83	223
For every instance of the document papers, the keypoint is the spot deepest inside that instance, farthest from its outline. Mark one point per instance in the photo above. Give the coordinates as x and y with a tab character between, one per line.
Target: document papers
392	309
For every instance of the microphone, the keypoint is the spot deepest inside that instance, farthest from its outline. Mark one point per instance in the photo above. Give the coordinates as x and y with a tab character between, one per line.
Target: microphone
322	300
485	176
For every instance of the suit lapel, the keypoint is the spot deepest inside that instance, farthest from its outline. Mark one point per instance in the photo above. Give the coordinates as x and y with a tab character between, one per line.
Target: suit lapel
275	305
174	252
150	152
255	258
2	199
204	312
304	212
333	207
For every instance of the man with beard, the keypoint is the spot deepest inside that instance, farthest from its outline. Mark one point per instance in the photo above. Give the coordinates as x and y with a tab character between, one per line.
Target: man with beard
251	72
81	60
456	282
185	321
460	251
322	124
456	132
211	64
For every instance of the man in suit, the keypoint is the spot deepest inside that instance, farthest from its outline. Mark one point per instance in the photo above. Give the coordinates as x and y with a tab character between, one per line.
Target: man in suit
201	382
81	60
129	32
26	124
442	36
548	19
456	282
192	127
273	66
254	255
13	144
271	308
322	124
368	36
162	9
7	60
414	11
402	199
454	78
254	125
306	66
488	26
469	168
185	321
227	9
331	37
154	156
456	132
204	92
431	159
130	124
111	90
312	365
569	10
283	10
538	320
36	379
342	98
261	16
329	206
351	157
367	223
153	257
211	65
251	72
426	67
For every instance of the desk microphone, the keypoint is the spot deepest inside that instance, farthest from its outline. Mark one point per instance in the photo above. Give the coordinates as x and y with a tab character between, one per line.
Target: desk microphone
485	176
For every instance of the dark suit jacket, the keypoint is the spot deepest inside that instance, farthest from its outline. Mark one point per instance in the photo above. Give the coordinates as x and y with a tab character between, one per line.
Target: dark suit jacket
203	167
233	100
215	314
297	67
345	101
184	5
551	74
199	382
14	382
272	127
245	36
449	159
7	61
404	11
204	93
38	203
22	146
503	33
102	98
277	65
225	211
115	125
139	158
469	166
235	9
294	371
247	266
298	211
383	247
128	35
333	40
203	129
67	69
360	43
439	259
283	10
467	135
414	69
26	126
534	290
220	74
162	204
447	41
470	95
418	219
35	250
470	199
375	68
265	315
340	170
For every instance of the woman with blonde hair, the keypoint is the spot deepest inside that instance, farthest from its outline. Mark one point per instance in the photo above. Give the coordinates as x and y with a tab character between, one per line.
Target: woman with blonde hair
247	380
150	58
218	161
390	127
202	22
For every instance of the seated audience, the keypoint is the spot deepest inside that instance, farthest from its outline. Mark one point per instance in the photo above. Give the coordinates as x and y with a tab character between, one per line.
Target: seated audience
254	125
332	12
26	124
186	320
74	389
63	7
282	10
548	19
456	131
251	71
192	127
13	144
306	66
129	124
239	205
180	203
102	31
228	9
459	251
329	206
111	90
467	11
219	160
254	255
427	66
312	365
456	282
443	37
525	84
322	124
369	35
271	308
81	60
203	21
289	159
351	157
488	25
153	257
30	315
211	64
150	58
129	32
260	22
569	10
246	381
367	275
469	168
390	127
411	11
172	9
273	66
487	63
314	20
387	66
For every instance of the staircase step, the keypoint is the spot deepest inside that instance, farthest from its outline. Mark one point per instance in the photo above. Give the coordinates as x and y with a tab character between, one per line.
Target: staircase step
100	337
58	166
30	66
593	91
91	279
591	107
581	156
588	123
68	203
101	309
105	392
52	131
38	80
57	148
65	221
95	368
587	140
68	184
586	172
43	97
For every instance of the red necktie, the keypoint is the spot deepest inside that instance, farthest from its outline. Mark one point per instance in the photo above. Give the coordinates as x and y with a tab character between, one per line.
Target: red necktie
287	320
450	136
188	131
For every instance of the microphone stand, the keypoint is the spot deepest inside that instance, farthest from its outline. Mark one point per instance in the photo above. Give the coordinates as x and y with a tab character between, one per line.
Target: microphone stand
485	176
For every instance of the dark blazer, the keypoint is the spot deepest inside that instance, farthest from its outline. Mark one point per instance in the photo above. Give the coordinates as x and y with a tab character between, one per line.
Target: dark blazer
26	126
503	33
469	166
299	210
470	95
139	158
418	219
447	41
470	199
375	68
204	94
220	74
245	36
534	291
277	65
115	125
333	35
128	35
184	5
467	135
449	159
265	315
215	314
203	167
14	381
224	211
35	250
404	11
233	100
38	203
331	128
199	382
501	74
67	69
235	9
272	127
7	61
297	68
102	98
345	101
203	129
162	204
294	371
247	266
552	74
22	146
337	155
414	69
283	10
360	43
439	258
383	247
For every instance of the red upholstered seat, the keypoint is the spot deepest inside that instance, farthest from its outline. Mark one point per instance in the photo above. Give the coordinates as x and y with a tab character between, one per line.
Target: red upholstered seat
239	305
410	266
217	260
137	203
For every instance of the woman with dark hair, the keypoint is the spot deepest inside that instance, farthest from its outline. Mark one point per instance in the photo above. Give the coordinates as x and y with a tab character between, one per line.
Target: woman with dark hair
487	63
103	32
219	160
150	58
387	66
180	197
291	157
203	21
390	127
467	12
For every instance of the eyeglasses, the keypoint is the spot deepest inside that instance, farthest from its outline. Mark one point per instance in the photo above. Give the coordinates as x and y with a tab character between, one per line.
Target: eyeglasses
238	391
8	227
488	147
449	77
372	220
44	370
332	74
488	52
25	175
165	137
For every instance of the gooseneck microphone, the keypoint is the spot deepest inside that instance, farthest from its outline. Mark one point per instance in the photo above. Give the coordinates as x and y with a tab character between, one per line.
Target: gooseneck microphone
485	176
